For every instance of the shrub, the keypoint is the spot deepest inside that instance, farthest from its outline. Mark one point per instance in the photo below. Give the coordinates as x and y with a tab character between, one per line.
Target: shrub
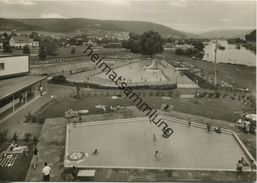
217	94
4	134
15	136
35	139
34	119
27	136
210	95
1	138
58	79
41	120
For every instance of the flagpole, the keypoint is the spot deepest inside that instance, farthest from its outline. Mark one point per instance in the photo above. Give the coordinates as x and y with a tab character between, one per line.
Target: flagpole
215	68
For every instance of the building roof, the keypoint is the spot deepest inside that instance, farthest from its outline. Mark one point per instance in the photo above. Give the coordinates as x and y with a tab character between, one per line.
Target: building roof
16	84
22	39
2	55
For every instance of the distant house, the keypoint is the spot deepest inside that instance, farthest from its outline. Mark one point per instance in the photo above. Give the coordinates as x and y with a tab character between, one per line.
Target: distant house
20	41
112	45
184	46
88	43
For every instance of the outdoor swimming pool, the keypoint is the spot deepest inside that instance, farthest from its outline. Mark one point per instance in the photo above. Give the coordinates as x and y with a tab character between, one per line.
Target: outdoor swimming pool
128	143
138	73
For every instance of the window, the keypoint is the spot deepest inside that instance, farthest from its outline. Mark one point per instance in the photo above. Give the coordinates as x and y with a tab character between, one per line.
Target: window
1	66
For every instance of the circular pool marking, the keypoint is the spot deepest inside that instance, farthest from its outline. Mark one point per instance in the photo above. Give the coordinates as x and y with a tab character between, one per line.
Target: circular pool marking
75	156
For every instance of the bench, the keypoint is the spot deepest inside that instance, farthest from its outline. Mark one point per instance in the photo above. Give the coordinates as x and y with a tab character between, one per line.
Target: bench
86	174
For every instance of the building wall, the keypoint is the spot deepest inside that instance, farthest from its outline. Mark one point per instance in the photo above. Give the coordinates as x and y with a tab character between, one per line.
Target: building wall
20	98
14	65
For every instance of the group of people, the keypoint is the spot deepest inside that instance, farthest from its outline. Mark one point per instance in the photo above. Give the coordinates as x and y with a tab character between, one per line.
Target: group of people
46	169
209	128
246	126
243	163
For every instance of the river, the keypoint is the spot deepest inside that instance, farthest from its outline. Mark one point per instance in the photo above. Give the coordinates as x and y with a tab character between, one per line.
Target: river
231	54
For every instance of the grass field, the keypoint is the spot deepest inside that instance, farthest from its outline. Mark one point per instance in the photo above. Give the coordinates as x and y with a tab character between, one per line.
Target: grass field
211	108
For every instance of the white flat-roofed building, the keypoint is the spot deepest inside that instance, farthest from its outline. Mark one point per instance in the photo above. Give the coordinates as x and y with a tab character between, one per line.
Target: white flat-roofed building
17	86
14	65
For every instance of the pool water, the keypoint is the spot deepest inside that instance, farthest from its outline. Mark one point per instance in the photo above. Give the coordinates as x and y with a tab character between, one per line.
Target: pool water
128	143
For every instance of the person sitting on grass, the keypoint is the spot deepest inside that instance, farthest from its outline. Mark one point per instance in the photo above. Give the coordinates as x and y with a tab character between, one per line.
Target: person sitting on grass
217	130
244	162
239	166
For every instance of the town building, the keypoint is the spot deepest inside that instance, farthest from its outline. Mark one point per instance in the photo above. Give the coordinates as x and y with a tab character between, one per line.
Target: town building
19	42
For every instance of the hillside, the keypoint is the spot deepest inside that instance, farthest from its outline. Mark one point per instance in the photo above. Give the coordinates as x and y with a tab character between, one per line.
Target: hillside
82	24
233	33
7	24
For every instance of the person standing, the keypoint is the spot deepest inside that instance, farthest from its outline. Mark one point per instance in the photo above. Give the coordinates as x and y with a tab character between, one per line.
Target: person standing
253	166
35	157
41	90
154	138
156	154
189	122
46	172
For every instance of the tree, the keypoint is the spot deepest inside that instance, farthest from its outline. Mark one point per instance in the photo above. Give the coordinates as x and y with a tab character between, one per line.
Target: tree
251	36
198	45
49	46
73	51
42	53
26	49
33	35
151	43
179	51
133	43
6	46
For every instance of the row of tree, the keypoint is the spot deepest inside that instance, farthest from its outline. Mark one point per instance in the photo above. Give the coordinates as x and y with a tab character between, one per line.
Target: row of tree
251	36
196	51
5	40
149	43
190	52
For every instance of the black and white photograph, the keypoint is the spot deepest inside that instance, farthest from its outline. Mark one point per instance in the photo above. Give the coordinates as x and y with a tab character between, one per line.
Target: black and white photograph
128	90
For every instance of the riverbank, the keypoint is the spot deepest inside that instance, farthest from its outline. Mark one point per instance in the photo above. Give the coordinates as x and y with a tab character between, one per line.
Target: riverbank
241	76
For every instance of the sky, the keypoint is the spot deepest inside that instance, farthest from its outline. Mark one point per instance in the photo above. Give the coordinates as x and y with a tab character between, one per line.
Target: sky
193	16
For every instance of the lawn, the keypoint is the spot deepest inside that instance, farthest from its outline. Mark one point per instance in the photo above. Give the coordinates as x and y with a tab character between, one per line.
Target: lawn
216	108
241	76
